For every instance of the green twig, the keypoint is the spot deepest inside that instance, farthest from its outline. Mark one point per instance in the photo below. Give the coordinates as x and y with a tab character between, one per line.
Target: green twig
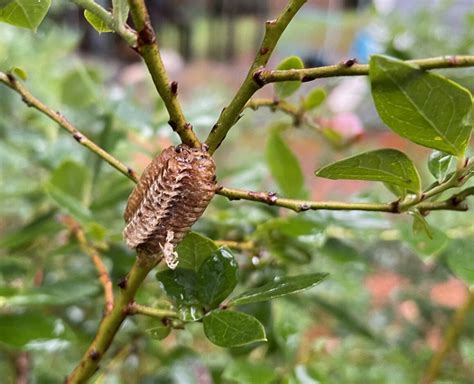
230	114
281	105
10	81
147	47
454	203
128	34
111	322
138	309
453	331
266	76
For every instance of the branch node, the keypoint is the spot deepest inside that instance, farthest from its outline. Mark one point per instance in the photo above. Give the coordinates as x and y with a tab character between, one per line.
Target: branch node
78	137
453	60
257	77
304	207
264	50
173	125
146	36
174	87
122	284
349	63
395	207
94	354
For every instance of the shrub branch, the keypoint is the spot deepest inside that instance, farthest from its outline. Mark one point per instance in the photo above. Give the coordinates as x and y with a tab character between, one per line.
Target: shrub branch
31	101
266	76
147	47
111	322
230	114
94	255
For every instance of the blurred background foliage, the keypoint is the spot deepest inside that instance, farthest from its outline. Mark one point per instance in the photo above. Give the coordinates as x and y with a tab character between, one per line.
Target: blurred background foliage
376	319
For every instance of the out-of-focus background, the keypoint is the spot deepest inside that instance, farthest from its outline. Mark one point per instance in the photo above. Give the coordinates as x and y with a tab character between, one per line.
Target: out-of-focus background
391	293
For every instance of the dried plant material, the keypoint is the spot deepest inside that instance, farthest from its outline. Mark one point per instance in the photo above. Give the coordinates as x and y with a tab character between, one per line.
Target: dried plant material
170	196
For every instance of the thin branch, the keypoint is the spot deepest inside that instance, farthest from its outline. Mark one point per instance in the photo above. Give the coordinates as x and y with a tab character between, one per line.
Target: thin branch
111	322
450	339
128	34
138	309
91	251
10	81
230	115
275	104
266	76
454	203
147	47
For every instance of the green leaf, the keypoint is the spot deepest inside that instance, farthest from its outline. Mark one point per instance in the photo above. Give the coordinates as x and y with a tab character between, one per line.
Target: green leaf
245	372
287	88
387	165
314	99
284	166
120	11
217	277
24	13
281	286
72	178
193	250
421	243
18	330
19	72
98	24
420	225
461	260
232	329
79	87
180	284
439	164
423	107
68	187
68	203
159	333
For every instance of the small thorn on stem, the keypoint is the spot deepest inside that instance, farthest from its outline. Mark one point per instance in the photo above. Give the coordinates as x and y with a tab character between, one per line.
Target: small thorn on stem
257	77
349	63
174	87
122	284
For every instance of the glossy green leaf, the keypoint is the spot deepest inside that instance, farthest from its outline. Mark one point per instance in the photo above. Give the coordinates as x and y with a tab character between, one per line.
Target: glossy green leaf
387	165
18	330
284	166
281	286
287	88
314	99
24	13
245	372
159	333
232	329
439	164
423	107
460	259
217	277
180	284
96	22
193	250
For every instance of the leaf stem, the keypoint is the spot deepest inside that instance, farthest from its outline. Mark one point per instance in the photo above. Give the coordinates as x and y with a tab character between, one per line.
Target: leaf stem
128	34
138	309
111	322
230	114
31	101
147	47
266	76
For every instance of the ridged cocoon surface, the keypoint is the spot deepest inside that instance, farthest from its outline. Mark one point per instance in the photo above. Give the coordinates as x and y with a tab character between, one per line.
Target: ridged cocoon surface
172	193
